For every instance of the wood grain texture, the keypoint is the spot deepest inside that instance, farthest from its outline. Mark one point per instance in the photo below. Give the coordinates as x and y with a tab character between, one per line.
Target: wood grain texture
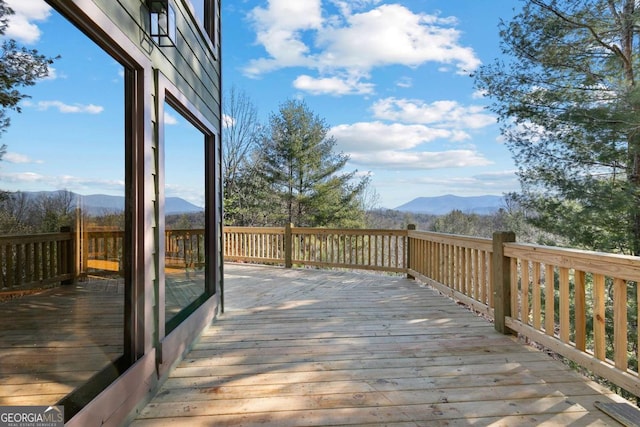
319	348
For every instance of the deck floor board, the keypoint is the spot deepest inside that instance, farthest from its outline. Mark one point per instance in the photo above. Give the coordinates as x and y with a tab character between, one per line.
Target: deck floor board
330	348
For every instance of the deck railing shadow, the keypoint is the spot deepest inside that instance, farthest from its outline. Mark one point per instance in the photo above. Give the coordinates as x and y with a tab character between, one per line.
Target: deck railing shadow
582	305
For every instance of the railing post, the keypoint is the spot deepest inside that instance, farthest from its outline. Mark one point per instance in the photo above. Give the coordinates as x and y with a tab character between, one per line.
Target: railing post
410	227
502	280
288	246
66	257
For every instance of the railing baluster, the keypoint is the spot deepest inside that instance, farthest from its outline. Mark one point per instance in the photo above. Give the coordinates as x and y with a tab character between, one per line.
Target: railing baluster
535	291
599	316
549	300
579	278
524	295
620	323
564	304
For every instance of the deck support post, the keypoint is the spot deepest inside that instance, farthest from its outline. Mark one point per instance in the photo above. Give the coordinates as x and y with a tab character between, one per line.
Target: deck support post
408	265
502	280
288	246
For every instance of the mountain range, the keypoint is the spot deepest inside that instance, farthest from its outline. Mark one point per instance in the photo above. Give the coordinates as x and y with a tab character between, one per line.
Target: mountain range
442	205
101	203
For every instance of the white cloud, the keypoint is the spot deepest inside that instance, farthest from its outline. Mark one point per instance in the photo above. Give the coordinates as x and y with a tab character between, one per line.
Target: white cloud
279	29
18	158
228	121
22	177
499	182
30	181
420	160
392	34
479	94
52	73
170	119
405	82
296	34
438	113
332	86
347	7
400	146
66	108
21	26
376	136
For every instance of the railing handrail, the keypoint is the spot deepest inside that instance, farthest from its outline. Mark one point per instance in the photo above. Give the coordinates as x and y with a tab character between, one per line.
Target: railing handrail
616	265
39	237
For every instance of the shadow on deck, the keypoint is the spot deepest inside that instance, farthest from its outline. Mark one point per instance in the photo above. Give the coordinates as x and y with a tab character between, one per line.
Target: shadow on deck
315	347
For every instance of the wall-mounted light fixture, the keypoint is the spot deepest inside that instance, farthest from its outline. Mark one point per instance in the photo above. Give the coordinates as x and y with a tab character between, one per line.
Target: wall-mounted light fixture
163	22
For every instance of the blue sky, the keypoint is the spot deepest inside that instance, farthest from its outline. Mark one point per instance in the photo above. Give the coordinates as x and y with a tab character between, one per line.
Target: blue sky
390	78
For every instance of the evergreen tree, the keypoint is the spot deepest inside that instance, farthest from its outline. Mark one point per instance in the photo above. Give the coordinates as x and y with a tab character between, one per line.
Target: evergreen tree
304	173
19	67
568	102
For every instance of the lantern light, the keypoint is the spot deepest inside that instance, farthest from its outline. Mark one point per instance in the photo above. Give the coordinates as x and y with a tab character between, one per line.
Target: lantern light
163	22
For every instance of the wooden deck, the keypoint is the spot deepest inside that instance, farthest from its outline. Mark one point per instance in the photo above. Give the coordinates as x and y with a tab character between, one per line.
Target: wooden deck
48	339
324	348
54	340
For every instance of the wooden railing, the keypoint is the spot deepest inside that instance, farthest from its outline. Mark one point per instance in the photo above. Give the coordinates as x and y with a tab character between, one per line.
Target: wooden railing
35	261
102	251
184	248
381	250
582	305
255	244
458	266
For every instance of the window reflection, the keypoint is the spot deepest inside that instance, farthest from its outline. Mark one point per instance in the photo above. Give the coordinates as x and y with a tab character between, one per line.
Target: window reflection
184	213
62	290
198	8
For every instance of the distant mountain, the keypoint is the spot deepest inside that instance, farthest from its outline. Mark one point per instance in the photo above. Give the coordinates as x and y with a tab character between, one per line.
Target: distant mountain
101	203
176	205
442	205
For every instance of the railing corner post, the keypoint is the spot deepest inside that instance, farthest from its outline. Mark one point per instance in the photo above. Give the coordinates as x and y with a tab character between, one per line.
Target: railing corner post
410	227
288	246
502	280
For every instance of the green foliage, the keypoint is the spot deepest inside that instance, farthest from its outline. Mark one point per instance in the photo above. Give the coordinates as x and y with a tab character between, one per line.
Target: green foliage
185	221
568	103
19	67
294	176
44	213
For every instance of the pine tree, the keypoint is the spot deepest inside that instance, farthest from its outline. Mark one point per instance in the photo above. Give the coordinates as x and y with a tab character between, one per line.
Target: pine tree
305	174
568	102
